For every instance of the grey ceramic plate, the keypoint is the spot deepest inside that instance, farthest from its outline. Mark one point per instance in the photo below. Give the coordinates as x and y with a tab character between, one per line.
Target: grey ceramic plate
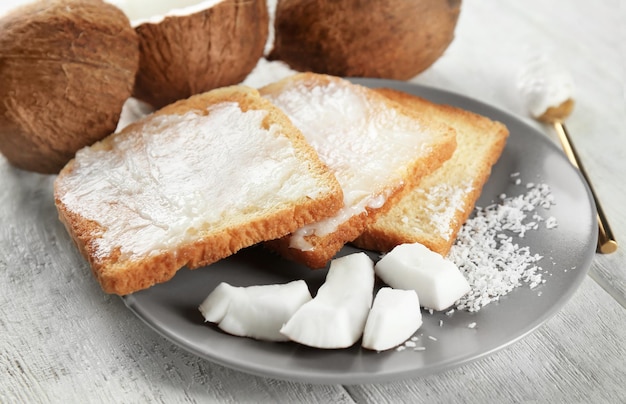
171	308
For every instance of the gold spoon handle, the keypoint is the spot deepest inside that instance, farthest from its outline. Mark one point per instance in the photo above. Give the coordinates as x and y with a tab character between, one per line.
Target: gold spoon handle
606	241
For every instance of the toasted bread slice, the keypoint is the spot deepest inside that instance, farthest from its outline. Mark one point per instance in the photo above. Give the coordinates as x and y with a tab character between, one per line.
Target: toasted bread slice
191	184
376	148
433	213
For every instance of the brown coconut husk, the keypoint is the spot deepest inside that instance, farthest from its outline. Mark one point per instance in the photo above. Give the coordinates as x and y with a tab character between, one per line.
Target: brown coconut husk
66	69
183	55
394	39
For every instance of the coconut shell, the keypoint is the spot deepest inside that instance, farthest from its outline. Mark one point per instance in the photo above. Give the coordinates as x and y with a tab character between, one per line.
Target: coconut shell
394	39
66	69
183	55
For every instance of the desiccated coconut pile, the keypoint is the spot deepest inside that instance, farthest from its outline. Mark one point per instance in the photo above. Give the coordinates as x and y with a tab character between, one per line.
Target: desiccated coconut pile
486	254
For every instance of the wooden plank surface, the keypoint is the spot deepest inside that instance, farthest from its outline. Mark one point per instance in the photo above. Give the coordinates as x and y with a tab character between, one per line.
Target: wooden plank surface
63	340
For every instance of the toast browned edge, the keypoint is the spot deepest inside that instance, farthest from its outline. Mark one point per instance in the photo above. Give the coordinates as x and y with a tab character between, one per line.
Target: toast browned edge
326	247
123	277
379	238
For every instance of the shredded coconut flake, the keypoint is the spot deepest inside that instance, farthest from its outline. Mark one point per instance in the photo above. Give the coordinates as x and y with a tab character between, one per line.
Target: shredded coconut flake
486	254
551	222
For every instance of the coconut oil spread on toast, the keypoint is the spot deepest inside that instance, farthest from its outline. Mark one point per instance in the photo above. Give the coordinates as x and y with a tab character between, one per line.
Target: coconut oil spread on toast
150	186
189	185
375	147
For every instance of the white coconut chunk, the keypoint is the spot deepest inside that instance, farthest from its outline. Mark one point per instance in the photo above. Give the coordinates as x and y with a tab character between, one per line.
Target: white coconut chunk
394	317
215	306
254	311
336	317
437	281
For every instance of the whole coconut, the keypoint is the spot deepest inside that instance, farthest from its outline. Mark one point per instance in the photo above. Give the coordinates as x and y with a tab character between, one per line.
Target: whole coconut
66	69
189	47
394	39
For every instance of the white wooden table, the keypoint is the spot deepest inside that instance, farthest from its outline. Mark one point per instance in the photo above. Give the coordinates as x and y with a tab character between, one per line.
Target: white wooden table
63	340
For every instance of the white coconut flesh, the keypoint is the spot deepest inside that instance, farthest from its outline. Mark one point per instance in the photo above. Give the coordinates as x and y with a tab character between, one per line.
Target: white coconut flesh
336	317
394	317
437	280
254	311
153	12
